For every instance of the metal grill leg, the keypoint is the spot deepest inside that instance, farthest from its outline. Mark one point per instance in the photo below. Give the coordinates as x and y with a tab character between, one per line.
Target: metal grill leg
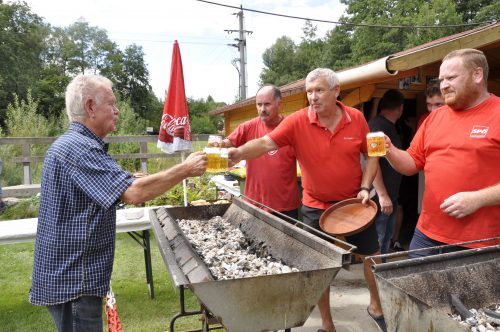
147	260
146	246
203	311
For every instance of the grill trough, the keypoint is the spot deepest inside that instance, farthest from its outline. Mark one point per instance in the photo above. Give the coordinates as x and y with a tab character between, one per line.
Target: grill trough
416	294
262	303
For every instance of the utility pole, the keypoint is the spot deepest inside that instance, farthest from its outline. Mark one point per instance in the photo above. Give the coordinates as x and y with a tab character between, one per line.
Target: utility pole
241	46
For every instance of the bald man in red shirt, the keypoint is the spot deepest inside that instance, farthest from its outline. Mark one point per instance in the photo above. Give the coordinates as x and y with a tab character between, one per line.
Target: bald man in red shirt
271	178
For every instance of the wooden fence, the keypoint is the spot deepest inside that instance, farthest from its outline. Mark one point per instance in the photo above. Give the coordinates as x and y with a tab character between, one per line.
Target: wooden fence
27	159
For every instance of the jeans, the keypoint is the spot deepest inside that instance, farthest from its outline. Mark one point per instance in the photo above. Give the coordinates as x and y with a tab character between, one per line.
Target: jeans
420	241
385	227
83	314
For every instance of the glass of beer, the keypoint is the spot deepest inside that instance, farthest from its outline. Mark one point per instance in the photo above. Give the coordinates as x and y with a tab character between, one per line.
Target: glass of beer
214	141
223	164
213	156
376	144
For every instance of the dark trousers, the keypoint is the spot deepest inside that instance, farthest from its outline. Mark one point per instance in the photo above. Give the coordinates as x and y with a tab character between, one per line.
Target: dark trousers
287	215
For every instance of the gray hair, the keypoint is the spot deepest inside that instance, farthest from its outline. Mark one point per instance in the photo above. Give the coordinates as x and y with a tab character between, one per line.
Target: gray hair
327	73
81	88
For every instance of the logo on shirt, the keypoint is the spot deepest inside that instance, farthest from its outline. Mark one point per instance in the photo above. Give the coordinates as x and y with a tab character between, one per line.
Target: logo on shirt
272	153
479	131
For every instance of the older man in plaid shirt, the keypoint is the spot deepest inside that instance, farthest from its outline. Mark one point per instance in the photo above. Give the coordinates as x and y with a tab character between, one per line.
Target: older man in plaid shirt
81	186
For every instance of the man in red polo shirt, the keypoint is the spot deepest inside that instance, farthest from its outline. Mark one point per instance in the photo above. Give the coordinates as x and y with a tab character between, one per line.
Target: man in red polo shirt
272	177
458	148
328	138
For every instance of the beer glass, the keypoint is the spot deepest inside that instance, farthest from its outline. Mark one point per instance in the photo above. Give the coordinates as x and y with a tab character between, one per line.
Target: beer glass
223	164
213	156
214	141
376	144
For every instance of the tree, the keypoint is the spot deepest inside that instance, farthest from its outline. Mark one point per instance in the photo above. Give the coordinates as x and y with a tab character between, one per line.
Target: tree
279	62
286	62
200	120
361	36
490	12
21	43
309	54
86	48
49	91
469	9
337	53
136	78
395	12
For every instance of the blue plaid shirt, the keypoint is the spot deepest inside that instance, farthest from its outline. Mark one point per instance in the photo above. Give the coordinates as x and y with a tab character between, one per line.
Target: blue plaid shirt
75	240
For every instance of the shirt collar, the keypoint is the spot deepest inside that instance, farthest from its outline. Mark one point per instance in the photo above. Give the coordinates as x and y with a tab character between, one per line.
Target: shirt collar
82	129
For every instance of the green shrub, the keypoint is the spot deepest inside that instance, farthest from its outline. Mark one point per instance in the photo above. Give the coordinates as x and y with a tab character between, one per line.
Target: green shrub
23	120
127	125
197	188
26	208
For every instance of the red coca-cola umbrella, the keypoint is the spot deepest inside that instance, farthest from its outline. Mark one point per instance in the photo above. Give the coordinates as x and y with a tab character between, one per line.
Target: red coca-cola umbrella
175	132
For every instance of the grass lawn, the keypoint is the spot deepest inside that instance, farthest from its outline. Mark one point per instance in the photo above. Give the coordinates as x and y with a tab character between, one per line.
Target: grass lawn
136	310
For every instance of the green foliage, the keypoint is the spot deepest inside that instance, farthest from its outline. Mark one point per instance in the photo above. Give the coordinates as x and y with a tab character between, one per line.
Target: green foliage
477	10
490	12
135	85
127	125
202	125
200	120
127	122
23	120
394	12
42	58
197	188
279	63
26	208
22	36
352	43
337	52
50	89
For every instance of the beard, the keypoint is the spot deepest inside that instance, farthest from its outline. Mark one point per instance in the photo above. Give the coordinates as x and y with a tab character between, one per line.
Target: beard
463	97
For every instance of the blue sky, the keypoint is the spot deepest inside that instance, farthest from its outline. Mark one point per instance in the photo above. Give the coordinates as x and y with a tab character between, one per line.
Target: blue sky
199	28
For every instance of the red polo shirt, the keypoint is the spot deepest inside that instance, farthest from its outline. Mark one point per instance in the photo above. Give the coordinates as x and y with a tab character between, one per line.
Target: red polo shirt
330	162
272	177
459	151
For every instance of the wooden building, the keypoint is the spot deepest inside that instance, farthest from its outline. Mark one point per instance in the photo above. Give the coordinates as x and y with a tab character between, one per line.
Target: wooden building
408	71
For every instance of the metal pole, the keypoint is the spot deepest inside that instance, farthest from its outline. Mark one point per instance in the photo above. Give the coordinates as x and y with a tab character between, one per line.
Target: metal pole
241	46
184	187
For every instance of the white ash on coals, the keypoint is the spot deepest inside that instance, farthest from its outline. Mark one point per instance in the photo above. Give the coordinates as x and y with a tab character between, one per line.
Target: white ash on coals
227	252
483	320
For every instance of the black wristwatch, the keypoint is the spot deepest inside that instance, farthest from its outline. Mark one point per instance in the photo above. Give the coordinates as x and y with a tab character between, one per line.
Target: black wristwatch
364	188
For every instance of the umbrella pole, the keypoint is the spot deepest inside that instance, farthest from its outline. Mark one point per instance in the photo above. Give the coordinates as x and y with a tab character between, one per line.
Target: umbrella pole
184	189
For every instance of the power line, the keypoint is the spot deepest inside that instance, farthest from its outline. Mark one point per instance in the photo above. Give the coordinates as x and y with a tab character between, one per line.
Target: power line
351	24
168	41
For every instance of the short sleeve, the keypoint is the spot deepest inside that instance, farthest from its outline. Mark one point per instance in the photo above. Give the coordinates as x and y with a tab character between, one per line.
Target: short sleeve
101	178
